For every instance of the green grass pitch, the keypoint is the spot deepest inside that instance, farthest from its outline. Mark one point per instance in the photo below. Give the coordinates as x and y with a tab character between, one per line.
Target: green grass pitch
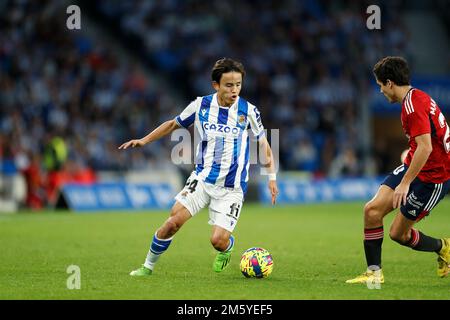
315	249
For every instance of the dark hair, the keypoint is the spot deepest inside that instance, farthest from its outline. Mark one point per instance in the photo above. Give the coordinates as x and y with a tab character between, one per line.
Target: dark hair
392	68
225	65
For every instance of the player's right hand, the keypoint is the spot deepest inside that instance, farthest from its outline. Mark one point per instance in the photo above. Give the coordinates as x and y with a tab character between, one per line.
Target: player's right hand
132	143
273	190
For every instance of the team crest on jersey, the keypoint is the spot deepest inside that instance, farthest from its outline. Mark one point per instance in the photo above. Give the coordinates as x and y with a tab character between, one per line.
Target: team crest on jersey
242	119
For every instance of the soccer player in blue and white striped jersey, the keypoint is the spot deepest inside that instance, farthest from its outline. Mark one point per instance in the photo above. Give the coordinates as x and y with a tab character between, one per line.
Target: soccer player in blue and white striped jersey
224	121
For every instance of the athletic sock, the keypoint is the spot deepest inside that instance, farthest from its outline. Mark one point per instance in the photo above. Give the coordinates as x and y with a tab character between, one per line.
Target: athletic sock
230	244
157	247
422	242
373	239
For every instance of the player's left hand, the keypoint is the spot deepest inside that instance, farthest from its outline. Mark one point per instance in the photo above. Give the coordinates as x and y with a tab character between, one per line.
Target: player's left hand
400	195
273	190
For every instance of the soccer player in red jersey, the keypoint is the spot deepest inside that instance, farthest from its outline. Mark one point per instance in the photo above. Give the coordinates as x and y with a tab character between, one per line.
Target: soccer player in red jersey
415	187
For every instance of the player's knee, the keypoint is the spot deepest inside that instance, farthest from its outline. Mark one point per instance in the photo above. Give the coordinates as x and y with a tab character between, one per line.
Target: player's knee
175	210
219	243
398	237
371	213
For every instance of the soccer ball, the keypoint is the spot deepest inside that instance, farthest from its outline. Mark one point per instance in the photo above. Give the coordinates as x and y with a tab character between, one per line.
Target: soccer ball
256	263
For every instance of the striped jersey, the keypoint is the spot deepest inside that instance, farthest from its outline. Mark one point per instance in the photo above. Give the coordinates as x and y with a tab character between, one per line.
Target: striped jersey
421	115
222	154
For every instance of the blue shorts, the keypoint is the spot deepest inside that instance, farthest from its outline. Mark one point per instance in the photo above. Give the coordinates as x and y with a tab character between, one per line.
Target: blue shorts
422	197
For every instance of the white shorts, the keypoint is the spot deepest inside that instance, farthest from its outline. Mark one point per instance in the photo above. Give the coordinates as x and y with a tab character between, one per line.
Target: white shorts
225	204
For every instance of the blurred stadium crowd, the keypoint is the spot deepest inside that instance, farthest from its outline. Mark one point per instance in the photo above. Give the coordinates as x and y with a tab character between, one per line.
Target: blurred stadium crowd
308	62
67	101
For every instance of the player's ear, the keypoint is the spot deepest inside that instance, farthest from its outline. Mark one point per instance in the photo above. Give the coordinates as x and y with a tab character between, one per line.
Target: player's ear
389	83
215	85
